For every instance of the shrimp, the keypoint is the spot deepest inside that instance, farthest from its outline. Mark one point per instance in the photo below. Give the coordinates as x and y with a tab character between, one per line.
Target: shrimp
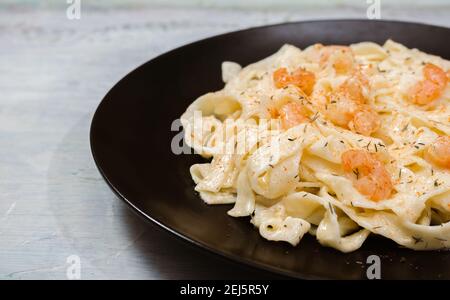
341	58
368	174
292	114
281	78
439	152
347	107
304	79
300	78
365	121
340	109
430	88
353	88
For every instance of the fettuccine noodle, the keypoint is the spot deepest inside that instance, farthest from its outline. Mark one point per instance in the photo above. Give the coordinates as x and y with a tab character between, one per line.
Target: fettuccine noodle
339	142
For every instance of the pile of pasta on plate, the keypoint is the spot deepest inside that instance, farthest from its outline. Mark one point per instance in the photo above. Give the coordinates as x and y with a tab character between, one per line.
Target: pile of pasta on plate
337	141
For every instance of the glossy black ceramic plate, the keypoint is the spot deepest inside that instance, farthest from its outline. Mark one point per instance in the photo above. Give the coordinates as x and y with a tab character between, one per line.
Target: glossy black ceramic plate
131	144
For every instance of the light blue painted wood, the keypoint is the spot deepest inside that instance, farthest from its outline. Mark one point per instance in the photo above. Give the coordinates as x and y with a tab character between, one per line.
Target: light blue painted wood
253	4
53	73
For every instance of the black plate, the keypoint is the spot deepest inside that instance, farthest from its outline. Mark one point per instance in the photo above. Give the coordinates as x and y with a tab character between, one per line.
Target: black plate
131	136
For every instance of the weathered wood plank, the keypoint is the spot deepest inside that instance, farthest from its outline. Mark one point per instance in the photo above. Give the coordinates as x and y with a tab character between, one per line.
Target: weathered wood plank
53	73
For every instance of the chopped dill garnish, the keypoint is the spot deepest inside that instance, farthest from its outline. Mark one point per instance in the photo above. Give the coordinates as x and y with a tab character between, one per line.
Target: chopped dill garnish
406	127
316	115
417	239
331	208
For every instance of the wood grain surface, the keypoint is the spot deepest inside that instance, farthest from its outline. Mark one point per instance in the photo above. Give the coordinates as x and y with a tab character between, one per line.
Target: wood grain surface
53	74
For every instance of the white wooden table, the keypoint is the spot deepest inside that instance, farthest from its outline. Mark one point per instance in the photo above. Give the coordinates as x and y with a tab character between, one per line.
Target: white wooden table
53	74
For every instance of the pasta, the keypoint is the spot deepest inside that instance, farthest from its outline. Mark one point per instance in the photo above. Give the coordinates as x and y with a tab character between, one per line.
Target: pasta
336	141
